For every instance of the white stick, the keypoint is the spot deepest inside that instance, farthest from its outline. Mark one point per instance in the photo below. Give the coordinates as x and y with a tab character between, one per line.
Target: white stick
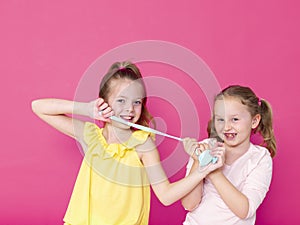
147	129
204	158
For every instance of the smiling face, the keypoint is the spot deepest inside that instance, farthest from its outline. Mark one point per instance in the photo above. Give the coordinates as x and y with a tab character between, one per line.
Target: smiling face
233	122
126	99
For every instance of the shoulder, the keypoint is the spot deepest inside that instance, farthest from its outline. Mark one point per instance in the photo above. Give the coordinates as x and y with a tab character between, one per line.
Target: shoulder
91	132
146	141
141	135
259	153
259	157
90	126
148	152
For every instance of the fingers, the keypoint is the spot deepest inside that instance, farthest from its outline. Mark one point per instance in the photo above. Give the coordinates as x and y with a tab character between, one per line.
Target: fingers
99	102
190	145
212	142
201	147
102	110
193	147
102	107
107	112
211	166
219	152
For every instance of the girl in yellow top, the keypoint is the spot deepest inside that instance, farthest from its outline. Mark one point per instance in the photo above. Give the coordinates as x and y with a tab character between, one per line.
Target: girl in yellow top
120	164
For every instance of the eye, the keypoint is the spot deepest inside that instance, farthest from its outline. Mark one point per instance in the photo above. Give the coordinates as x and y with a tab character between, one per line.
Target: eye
138	102
120	100
235	119
219	120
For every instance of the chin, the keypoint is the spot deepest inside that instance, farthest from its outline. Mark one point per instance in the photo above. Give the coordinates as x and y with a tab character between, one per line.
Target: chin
120	126
231	143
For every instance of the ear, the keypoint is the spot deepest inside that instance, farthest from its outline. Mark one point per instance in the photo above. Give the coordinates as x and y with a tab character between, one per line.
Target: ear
255	120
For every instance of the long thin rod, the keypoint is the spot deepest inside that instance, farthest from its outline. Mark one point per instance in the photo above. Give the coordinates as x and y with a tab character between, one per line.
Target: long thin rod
147	129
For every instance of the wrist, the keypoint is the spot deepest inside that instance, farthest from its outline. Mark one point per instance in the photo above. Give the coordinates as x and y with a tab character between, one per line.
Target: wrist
214	174
81	108
197	169
203	170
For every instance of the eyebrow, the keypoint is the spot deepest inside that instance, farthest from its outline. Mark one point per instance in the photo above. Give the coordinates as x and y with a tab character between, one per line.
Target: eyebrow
217	115
229	115
121	96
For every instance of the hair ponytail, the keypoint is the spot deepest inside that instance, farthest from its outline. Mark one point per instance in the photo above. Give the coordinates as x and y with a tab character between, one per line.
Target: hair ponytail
265	127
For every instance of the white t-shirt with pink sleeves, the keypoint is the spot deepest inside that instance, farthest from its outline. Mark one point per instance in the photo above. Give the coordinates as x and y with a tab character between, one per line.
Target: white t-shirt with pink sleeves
251	174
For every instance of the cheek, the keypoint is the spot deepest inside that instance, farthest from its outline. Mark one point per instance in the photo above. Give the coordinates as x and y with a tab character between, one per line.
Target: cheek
138	109
116	108
219	126
112	104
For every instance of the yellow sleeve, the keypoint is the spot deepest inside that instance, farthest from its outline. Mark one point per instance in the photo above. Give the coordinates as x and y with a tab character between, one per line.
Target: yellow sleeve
139	137
91	133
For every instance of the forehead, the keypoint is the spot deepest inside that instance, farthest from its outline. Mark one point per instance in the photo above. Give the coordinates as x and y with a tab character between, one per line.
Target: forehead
127	88
230	106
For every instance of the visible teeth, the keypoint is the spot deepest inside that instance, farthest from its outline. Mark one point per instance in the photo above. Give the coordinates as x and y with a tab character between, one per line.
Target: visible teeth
127	117
231	135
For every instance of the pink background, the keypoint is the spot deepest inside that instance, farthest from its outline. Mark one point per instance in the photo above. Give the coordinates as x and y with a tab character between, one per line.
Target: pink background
47	46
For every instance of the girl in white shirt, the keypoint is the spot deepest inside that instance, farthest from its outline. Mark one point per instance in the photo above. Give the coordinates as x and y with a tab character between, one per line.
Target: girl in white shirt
231	195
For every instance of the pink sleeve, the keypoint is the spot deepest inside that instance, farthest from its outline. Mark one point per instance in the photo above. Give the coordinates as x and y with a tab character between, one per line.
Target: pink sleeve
257	183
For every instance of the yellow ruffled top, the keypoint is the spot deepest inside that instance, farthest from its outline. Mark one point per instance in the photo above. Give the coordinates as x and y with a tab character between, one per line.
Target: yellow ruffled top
112	185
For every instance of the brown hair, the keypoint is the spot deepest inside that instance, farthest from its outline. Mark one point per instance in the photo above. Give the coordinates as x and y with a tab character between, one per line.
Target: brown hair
125	70
255	106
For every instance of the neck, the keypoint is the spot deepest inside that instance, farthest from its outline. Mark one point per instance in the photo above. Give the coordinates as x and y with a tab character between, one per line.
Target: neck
114	134
235	152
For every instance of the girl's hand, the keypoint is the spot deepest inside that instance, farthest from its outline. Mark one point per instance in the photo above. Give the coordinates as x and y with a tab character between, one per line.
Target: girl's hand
193	147
99	110
219	152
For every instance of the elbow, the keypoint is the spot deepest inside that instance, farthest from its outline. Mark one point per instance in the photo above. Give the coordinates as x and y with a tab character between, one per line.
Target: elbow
242	208
37	106
242	216
166	197
169	200
243	213
166	201
190	206
34	104
191	202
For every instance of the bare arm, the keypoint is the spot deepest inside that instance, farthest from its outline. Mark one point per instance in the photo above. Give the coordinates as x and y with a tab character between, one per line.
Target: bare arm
234	199
193	199
168	192
56	112
244	203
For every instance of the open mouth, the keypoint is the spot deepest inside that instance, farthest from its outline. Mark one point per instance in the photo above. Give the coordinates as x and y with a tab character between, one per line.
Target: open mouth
230	136
128	118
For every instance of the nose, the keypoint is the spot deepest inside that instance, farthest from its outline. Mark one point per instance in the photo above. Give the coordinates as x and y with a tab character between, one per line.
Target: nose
227	125
129	107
